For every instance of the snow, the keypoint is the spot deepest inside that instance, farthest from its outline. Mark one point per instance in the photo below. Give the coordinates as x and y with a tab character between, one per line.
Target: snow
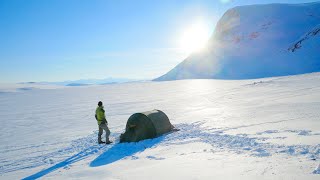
317	170
260	128
257	41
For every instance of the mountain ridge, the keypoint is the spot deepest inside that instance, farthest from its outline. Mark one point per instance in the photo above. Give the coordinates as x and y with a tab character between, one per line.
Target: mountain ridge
253	42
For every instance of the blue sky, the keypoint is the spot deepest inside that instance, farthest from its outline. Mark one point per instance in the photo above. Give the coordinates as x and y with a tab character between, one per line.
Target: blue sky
57	40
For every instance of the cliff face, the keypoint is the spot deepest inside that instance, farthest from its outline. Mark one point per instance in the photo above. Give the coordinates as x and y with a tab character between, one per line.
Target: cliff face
258	41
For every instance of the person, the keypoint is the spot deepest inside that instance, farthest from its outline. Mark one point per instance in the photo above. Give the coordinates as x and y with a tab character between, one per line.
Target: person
102	123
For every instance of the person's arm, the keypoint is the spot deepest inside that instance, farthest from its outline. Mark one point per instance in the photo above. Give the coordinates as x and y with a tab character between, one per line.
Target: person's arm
104	120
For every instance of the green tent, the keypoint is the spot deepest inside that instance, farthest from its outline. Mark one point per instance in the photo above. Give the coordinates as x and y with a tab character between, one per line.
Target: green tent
146	125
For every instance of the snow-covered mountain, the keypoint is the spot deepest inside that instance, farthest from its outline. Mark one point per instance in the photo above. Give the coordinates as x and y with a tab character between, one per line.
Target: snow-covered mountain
83	82
258	41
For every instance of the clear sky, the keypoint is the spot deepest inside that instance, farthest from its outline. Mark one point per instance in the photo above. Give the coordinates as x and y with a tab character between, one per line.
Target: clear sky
57	40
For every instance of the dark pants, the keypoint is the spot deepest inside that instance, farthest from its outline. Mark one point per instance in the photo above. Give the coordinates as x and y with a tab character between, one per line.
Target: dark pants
106	129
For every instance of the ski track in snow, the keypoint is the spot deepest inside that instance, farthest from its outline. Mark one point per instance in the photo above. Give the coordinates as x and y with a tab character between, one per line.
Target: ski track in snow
241	143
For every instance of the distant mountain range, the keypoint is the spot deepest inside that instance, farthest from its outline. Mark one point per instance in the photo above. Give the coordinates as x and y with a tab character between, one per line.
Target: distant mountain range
86	82
83	82
258	41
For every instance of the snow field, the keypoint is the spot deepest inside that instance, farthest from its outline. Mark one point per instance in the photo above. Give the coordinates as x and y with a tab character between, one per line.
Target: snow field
264	128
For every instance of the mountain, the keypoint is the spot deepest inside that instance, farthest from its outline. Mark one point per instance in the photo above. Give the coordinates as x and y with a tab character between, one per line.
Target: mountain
257	41
76	84
86	82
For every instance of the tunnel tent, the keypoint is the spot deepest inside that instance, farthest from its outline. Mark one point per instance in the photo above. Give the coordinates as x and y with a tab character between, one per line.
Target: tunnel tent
146	125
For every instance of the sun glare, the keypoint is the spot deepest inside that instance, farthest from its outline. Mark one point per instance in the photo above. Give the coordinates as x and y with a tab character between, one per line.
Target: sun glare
194	38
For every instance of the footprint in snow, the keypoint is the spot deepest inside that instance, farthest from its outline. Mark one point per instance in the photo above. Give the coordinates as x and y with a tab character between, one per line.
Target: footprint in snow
155	158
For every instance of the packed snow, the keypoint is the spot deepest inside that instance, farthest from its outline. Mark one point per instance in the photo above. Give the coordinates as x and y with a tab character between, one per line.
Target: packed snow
236	129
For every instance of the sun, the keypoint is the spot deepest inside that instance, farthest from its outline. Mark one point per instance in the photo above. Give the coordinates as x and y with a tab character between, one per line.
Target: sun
194	38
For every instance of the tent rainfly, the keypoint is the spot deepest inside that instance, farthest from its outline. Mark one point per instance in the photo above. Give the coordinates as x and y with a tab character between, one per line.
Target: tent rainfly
146	125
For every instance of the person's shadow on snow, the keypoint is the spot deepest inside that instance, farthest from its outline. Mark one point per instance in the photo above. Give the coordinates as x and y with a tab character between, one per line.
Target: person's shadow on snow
112	154
124	150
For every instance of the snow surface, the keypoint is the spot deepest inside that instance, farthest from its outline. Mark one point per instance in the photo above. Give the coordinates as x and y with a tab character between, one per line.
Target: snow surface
236	129
258	41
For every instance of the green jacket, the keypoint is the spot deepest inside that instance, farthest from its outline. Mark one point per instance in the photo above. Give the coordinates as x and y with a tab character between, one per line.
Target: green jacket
100	116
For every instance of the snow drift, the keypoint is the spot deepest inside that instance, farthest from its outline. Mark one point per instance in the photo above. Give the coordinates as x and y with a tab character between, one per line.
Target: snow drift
258	41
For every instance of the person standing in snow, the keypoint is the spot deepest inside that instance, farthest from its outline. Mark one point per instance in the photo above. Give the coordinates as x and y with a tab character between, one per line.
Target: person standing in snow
102	123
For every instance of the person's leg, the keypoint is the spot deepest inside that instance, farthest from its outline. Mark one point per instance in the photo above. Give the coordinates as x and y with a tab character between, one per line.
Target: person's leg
100	134
106	129
107	134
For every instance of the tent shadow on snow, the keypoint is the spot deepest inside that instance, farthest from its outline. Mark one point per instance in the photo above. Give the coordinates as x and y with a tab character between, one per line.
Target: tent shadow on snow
124	150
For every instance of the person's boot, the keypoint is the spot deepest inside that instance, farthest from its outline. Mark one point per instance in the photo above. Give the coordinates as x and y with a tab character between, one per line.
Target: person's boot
101	142
108	142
